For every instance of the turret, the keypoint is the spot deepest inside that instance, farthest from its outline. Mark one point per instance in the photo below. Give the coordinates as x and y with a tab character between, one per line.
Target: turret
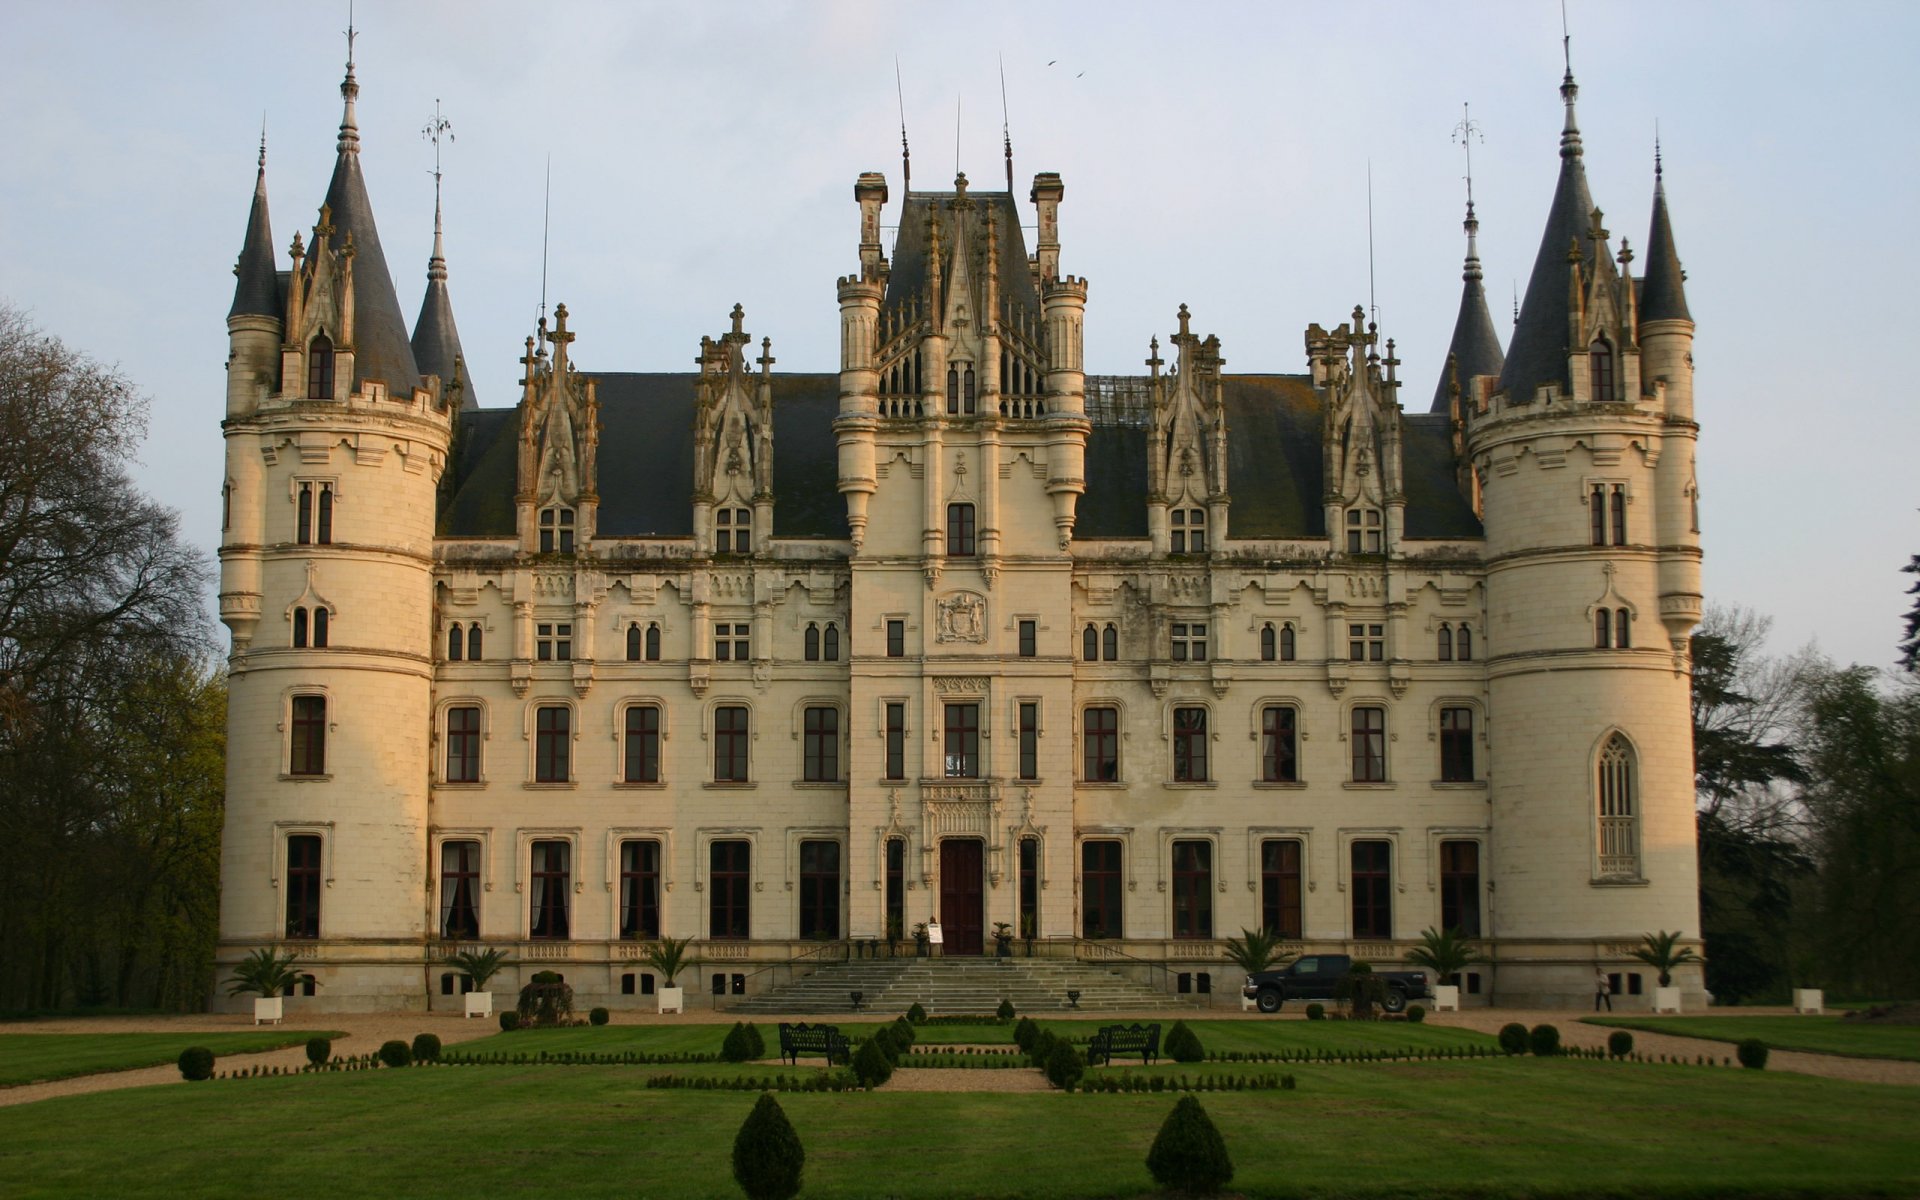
436	339
1666	356
1475	348
258	317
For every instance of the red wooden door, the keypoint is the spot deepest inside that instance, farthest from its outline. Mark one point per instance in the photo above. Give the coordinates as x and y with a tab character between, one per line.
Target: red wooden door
962	909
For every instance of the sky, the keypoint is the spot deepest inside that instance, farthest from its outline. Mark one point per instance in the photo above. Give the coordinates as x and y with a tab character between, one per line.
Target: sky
1216	155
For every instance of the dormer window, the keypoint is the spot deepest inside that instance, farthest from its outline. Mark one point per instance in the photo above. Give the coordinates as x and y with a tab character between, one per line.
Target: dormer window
320	368
1189	531
556	531
1600	369
733	531
1363	531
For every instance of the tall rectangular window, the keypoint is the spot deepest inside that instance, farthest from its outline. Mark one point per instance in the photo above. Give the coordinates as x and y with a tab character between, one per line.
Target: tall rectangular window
896	765
642	744
1369	738
1597	513
896	887
308	741
729	881
1456	745
463	744
459	890
1029	767
730	744
1619	514
1028	638
819	889
1279	760
1280	912
1029	887
1460	887
1100	889
323	516
962	744
821	745
549	903
639	889
733	531
303	885
303	516
1100	745
1372	889
960	540
896	639
1193	889
552	744
1190	745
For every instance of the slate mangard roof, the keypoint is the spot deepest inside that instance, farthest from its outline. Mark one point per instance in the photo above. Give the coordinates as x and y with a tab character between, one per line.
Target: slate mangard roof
907	271
1475	348
1663	294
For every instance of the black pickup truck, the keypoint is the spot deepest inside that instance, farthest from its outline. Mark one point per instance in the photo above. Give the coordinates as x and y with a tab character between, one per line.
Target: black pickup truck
1318	976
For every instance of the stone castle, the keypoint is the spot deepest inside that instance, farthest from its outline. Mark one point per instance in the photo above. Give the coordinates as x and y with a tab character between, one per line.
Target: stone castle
1121	664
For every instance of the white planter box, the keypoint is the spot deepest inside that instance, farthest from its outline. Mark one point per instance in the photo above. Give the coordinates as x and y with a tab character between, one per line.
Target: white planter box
479	1004
1809	1000
1666	999
266	1009
671	1000
1446	996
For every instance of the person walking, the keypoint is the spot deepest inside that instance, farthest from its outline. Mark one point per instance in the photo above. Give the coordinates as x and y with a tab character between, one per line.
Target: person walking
1602	990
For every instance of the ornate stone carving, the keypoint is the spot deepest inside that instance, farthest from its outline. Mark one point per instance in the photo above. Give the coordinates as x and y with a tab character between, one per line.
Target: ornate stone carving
961	617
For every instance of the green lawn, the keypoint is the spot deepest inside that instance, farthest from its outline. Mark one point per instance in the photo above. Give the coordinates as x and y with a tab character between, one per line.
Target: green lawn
33	1057
1819	1034
1491	1127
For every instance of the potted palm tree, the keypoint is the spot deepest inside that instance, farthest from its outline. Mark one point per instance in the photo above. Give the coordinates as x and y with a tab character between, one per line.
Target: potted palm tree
267	976
480	966
669	957
1663	953
1254	951
1446	954
1003	939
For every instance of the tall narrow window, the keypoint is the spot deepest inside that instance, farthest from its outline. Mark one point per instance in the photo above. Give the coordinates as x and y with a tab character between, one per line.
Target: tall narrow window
967	392
1619	514
821	745
1369	744
633	641
730	744
1029	638
548	906
830	643
1029	887
820	889
1600	369
1269	645
303	515
729	880
1446	644
1110	643
653	642
473	642
1619	814
299	628
323	516
896	639
1029	766
896	887
962	744
639	889
953	391
320	368
1100	889
642	744
1190	745
1463	644
1100	738
1090	644
1460	887
1286	643
1372	889
960	530
1602	629
322	631
463	744
1279	739
1621	637
456	642
1280	912
553	744
811	650
1597	513
896	766
303	885
459	890
1456	745
308	740
1193	889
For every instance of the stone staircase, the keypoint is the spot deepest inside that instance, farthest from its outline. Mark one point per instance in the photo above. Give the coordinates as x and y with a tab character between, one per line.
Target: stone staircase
960	985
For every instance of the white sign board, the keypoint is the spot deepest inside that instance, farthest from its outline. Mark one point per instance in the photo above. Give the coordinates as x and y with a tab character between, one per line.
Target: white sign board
933	933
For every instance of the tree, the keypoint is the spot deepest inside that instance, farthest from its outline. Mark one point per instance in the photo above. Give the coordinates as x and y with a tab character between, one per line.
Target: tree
768	1158
1445	953
1255	950
1910	644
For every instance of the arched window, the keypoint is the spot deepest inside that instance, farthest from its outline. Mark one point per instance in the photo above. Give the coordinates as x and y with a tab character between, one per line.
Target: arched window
830	643
813	643
633	641
1286	643
653	642
320	628
1621	639
1602	629
1446	643
320	368
1269	645
1600	369
1090	644
299	629
953	391
966	397
1463	644
1110	643
456	642
1619	828
323	534
473	642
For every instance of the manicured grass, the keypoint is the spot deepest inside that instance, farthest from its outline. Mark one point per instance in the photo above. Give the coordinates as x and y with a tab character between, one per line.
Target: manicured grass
1819	1034
1490	1127
34	1057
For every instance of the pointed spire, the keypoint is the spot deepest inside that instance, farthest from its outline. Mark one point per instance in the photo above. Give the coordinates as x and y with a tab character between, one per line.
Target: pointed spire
349	92
1475	348
257	290
1663	295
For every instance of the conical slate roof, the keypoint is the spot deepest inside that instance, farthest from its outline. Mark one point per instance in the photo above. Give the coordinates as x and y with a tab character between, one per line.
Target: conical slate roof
381	348
256	292
1538	353
1663	296
1475	349
436	339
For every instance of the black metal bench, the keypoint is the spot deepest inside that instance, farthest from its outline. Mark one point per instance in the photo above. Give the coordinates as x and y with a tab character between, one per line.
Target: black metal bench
823	1041
1143	1040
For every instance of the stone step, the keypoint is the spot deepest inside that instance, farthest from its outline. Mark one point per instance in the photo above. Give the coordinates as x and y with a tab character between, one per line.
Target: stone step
968	985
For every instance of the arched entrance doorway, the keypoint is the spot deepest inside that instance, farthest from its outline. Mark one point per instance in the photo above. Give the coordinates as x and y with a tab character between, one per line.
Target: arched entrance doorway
963	894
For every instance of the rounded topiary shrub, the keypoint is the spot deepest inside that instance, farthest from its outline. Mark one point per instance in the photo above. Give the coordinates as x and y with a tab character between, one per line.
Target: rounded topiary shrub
319	1050
196	1063
1188	1154
426	1048
1005	1011
1042	1047
395	1053
1513	1038
871	1066
1183	1045
1544	1040
1416	1013
599	1016
1065	1066
1619	1043
1024	1031
1316	1011
916	1014
509	1021
734	1047
546	1000
767	1155
756	1045
1753	1054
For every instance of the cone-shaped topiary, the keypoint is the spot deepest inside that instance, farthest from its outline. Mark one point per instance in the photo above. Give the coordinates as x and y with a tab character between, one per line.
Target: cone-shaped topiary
756	1045
767	1154
1189	1155
871	1065
735	1048
1544	1040
1005	1011
1065	1065
196	1063
1042	1047
916	1014
319	1050
903	1034
1513	1038
1024	1031
426	1048
1753	1054
1619	1043
1183	1044
395	1053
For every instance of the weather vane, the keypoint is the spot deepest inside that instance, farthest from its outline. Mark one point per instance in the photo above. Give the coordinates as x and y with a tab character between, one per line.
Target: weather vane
1464	133
436	131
